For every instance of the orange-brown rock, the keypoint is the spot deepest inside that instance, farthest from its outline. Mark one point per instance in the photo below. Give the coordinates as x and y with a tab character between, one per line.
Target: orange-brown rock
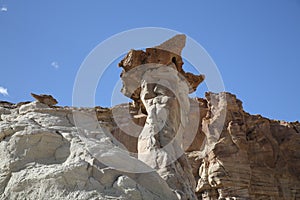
166	54
252	157
45	99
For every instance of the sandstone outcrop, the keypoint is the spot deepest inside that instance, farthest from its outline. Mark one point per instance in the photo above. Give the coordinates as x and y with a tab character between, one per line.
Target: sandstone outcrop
163	93
164	145
44	157
253	158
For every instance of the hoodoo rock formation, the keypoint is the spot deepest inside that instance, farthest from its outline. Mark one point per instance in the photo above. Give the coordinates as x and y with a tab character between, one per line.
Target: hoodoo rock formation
163	91
164	145
168	54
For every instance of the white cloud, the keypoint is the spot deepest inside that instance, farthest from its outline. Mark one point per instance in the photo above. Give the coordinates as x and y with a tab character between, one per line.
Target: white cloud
3	91
3	9
55	65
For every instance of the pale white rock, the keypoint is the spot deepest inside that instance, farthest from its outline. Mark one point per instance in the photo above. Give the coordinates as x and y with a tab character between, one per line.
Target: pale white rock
167	110
31	107
128	187
44	156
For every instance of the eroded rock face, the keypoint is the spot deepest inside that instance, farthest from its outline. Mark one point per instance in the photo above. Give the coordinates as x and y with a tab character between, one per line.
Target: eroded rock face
232	152
155	80
168	53
158	146
164	145
43	157
253	158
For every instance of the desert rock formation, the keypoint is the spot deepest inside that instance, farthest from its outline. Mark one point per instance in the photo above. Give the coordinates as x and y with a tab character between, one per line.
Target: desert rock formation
163	92
43	157
215	150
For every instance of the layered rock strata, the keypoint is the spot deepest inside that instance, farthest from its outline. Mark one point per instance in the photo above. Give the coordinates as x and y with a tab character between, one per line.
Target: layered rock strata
43	157
253	158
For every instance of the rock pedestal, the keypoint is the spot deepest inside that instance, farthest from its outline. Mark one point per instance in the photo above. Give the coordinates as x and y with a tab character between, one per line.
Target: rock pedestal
160	86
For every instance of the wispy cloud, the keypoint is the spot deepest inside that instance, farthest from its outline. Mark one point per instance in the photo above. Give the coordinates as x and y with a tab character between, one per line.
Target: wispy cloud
3	9
55	65
3	91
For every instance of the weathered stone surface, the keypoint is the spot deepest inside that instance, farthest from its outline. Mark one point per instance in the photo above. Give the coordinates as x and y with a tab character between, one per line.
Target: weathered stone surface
45	99
160	87
174	45
135	151
5	104
136	62
252	157
225	160
43	157
157	146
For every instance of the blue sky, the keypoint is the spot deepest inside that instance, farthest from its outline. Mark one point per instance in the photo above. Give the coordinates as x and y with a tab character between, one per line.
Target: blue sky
254	43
